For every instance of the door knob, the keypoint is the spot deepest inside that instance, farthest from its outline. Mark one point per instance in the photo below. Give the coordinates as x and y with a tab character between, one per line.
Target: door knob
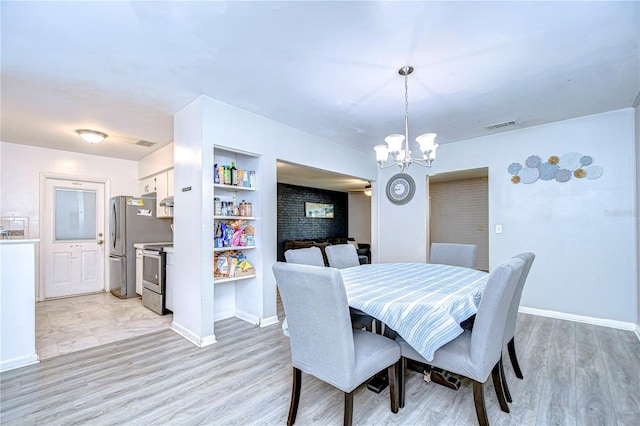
100	242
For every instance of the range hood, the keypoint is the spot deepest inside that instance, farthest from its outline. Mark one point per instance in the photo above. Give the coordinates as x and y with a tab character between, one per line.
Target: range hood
167	202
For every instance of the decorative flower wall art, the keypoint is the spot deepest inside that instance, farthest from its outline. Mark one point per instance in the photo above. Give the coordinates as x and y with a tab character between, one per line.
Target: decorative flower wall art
556	168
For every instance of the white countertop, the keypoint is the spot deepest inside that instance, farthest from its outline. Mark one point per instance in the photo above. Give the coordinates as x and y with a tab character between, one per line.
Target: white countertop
8	242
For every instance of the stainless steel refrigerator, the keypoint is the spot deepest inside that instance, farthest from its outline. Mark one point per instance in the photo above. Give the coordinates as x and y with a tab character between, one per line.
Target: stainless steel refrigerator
131	220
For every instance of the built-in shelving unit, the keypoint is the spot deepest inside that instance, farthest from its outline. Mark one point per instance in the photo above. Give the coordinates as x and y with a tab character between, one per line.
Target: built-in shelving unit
236	294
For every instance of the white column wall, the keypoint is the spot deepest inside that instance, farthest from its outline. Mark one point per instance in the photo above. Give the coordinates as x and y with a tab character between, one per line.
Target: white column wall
582	231
209	122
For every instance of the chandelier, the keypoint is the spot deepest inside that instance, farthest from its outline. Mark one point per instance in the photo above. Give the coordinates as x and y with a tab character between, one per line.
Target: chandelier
402	156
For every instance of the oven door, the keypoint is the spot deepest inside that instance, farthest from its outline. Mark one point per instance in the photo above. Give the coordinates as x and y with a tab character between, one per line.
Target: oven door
153	271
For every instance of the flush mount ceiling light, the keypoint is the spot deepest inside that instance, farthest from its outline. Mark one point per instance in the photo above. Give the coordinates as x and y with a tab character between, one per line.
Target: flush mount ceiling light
367	190
91	136
402	156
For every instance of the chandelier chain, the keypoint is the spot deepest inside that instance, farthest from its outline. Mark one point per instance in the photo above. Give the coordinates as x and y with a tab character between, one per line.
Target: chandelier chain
406	113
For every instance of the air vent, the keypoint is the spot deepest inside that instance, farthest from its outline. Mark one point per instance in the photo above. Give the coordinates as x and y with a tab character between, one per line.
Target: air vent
145	143
500	125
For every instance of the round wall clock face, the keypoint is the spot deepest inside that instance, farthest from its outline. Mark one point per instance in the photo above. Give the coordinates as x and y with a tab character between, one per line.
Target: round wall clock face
401	188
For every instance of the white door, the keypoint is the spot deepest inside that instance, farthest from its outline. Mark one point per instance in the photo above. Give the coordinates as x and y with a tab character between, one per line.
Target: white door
74	237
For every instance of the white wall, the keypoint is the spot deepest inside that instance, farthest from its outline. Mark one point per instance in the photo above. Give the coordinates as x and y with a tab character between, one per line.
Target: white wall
583	231
20	168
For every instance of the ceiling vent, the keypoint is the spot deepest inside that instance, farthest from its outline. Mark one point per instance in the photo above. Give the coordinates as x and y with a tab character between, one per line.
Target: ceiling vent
145	143
500	125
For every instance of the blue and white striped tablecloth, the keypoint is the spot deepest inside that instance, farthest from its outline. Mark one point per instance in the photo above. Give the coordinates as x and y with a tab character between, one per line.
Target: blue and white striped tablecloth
422	302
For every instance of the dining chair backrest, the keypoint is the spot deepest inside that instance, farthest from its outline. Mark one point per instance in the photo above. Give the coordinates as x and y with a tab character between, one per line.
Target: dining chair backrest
510	328
342	256
454	254
305	256
488	330
315	302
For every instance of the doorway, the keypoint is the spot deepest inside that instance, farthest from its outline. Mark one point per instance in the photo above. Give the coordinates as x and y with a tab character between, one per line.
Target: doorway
459	210
72	238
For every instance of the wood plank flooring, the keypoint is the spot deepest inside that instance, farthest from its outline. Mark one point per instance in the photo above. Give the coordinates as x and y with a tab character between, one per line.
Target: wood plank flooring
574	374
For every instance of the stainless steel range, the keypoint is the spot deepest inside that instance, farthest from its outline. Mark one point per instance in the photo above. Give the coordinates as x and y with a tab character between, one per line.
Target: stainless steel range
153	277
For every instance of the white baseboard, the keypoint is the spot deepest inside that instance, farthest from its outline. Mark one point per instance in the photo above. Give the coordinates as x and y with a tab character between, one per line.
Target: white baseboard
269	321
245	316
201	342
23	361
621	325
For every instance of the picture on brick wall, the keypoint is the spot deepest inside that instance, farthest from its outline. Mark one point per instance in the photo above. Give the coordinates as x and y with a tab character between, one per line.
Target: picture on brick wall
318	210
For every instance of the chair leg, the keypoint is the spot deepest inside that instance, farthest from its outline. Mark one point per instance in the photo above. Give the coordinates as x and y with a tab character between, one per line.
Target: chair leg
514	359
478	398
393	386
497	384
348	408
401	370
503	378
295	396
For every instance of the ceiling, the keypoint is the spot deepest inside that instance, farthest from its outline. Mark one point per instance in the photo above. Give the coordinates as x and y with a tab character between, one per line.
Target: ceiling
327	68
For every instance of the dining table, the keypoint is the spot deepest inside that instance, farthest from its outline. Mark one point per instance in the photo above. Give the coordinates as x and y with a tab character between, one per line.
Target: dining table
424	303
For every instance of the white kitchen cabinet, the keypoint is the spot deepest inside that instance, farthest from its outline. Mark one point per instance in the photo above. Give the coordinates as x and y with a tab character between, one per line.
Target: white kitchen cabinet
147	185
169	280
139	271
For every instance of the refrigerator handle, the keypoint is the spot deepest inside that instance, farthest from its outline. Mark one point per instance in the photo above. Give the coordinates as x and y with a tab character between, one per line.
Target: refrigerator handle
112	224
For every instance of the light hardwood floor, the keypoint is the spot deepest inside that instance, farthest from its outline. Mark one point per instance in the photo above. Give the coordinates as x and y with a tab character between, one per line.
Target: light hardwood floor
574	374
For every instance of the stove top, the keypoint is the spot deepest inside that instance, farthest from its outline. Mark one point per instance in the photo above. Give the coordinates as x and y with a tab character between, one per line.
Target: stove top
156	246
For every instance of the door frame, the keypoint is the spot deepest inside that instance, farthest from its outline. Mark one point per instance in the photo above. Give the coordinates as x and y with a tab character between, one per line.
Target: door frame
41	261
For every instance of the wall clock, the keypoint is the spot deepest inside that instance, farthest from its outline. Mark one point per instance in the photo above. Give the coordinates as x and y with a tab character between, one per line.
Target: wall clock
401	188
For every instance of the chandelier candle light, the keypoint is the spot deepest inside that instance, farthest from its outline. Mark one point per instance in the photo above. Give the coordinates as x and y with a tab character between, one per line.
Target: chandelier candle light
402	156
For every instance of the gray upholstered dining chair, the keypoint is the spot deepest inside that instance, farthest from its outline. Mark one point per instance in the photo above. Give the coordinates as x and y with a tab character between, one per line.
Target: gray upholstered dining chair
510	327
454	254
323	344
346	256
476	355
342	256
305	256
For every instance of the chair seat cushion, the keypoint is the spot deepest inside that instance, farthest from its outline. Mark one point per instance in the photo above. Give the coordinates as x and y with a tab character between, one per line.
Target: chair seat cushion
372	351
453	357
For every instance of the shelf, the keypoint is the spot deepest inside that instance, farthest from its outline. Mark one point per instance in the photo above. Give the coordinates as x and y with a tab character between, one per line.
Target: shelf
235	217
218	249
225	280
232	188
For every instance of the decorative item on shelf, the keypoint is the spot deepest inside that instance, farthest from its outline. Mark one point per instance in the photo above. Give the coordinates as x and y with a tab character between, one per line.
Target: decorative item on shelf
402	156
235	233
560	169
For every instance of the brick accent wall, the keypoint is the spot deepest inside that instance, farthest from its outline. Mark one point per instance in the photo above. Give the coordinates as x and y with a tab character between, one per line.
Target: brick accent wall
292	223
